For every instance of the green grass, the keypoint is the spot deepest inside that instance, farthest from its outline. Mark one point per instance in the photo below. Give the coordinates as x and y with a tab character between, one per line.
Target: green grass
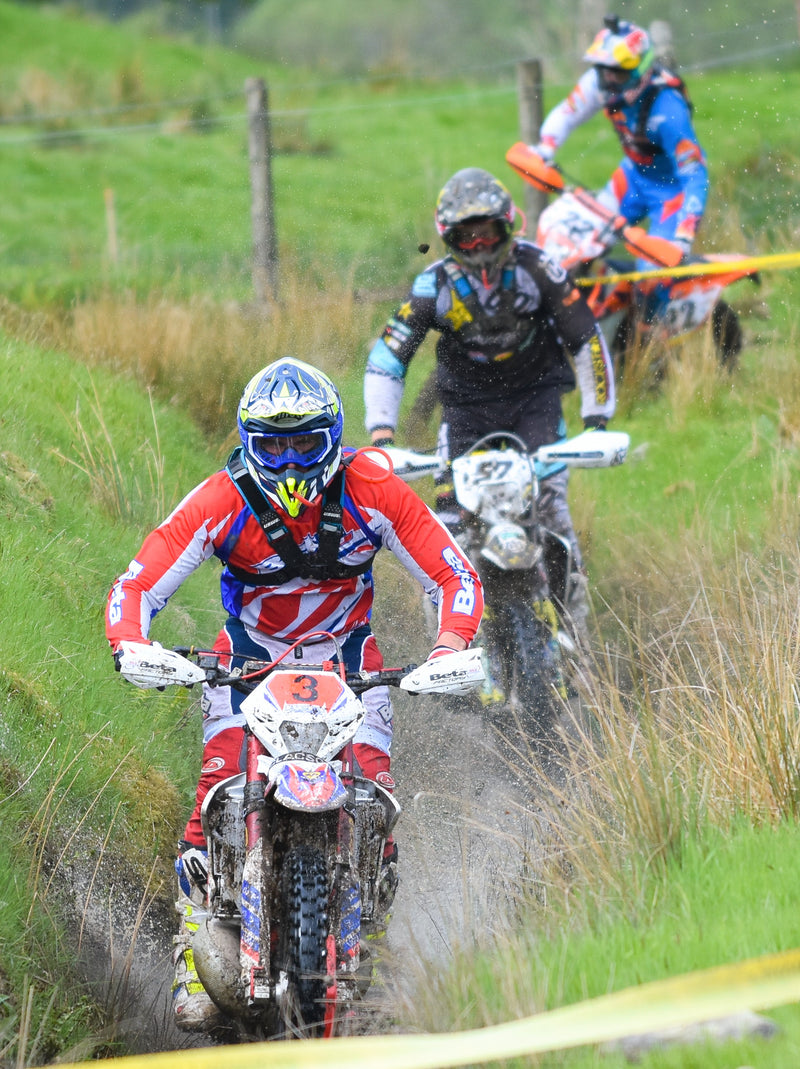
89	462
360	207
704	912
61	549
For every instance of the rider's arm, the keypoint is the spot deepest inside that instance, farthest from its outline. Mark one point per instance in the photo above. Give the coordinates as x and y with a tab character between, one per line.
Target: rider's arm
167	557
670	125
388	360
594	370
449	640
594	367
582	103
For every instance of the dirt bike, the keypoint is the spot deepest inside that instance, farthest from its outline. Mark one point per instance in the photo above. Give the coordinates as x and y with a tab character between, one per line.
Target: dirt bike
578	232
296	841
525	568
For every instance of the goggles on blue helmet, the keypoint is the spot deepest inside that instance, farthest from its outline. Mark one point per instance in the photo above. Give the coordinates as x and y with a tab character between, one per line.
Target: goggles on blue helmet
276	452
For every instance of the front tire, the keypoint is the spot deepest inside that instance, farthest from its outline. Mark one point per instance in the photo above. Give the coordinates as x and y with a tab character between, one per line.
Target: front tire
303	940
525	666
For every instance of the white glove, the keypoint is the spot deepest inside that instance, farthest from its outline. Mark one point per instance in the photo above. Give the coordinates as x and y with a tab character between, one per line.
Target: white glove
545	149
410	465
148	665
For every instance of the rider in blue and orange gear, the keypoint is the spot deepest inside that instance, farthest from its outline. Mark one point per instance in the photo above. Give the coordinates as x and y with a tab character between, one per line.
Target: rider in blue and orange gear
289	466
663	176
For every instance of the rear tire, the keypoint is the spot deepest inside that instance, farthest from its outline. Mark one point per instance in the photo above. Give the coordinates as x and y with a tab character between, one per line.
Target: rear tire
728	335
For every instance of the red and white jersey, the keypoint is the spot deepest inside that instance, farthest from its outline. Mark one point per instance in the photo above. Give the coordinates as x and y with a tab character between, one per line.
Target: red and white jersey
379	510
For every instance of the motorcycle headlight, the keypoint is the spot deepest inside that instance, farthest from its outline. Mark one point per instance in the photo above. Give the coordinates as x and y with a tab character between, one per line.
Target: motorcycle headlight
508	547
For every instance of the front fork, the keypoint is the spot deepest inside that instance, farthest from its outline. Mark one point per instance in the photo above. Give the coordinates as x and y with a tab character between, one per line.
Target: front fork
258	889
258	876
345	901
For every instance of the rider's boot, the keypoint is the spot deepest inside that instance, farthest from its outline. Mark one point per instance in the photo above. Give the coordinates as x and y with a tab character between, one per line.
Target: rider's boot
387	884
192	1006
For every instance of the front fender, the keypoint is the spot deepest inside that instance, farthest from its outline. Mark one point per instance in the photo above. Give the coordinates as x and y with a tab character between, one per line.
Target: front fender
306	786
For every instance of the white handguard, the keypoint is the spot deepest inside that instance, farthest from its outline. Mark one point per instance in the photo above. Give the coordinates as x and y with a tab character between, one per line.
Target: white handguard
149	665
592	449
452	673
410	465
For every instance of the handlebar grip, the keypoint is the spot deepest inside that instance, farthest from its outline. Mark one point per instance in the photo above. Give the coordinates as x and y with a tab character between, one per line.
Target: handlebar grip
386	677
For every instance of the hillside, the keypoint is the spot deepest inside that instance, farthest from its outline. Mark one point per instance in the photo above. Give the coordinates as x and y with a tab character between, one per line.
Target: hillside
452	37
160	128
689	541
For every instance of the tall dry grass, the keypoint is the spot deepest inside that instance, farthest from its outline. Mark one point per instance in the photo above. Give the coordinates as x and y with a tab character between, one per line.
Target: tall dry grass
688	720
205	352
201	352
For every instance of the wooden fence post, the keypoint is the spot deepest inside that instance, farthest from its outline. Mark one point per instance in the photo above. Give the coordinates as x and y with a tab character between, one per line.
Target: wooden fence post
529	97
663	46
111	226
262	211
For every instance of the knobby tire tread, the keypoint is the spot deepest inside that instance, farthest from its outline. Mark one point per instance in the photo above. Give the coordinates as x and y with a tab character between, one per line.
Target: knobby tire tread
306	933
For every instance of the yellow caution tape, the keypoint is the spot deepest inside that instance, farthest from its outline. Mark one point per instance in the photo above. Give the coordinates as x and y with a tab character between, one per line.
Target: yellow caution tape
757	984
749	264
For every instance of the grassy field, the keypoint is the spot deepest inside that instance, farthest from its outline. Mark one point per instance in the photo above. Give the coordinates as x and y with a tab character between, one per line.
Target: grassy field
163	128
691	545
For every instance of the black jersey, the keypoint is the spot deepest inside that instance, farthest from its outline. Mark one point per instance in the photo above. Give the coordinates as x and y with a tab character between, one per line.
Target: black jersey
512	336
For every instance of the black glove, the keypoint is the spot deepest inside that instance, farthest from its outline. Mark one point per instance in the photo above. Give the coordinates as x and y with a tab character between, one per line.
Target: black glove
595	423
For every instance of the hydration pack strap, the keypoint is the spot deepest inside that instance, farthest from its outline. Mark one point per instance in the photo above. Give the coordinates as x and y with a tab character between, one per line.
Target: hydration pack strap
662	79
323	563
464	290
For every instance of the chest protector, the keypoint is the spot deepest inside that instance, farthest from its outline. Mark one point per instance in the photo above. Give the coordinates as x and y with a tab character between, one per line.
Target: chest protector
323	563
636	143
470	321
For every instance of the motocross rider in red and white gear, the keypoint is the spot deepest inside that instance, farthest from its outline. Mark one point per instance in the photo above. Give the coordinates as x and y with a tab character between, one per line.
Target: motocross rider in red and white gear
275	592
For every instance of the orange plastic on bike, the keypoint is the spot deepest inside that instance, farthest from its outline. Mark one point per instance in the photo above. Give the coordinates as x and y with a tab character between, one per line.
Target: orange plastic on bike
530	166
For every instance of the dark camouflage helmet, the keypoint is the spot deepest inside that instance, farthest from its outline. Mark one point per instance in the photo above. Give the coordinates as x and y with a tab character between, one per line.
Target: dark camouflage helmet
473	194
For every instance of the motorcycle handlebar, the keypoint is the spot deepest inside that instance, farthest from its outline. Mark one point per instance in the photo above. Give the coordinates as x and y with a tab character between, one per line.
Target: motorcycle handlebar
253	672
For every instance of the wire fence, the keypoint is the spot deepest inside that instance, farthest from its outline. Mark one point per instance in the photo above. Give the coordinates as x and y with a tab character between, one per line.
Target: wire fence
742	45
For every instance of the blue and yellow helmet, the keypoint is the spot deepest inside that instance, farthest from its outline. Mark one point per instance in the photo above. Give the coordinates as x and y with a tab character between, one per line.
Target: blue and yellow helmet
290	422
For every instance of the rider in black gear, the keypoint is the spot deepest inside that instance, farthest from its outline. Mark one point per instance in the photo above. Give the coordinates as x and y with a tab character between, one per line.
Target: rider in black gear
508	318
